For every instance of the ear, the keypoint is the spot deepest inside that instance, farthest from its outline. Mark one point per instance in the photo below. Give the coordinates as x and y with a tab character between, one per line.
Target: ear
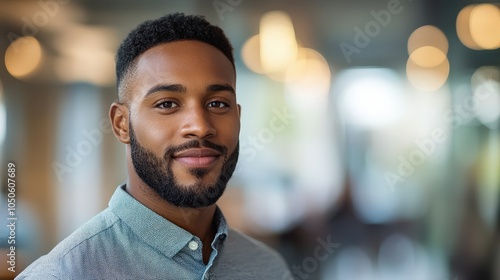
239	111
118	114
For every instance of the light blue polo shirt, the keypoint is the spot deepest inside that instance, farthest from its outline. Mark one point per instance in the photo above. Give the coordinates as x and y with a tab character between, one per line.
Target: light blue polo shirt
129	241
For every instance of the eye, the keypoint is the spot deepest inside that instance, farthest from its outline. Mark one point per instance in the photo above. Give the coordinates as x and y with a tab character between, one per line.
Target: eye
167	105
218	104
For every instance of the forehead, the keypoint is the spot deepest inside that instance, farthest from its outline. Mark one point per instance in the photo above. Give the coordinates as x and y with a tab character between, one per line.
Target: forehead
183	62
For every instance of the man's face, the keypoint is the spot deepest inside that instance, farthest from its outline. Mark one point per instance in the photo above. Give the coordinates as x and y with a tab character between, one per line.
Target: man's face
184	122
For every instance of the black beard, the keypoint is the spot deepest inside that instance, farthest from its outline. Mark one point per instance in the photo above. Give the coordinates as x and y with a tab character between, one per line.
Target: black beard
157	173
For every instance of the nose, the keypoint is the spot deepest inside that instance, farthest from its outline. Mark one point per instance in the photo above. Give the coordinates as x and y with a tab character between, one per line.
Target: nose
197	124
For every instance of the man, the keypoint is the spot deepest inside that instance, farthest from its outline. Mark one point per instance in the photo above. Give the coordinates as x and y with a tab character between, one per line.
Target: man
178	117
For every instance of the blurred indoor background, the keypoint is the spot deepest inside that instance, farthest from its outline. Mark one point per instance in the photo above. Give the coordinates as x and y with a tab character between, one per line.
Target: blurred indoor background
370	143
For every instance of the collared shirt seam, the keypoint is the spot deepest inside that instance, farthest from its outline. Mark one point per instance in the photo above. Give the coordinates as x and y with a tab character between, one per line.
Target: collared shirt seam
88	238
145	241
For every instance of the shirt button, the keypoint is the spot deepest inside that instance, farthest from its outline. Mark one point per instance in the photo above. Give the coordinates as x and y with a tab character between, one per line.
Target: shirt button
193	245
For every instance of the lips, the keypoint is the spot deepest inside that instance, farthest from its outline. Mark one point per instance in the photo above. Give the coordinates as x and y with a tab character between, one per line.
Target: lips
197	158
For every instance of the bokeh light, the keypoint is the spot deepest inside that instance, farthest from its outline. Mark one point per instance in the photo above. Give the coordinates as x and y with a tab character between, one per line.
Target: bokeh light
250	54
278	46
428	56
484	25
309	74
370	97
478	26
427	67
427	35
463	28
425	78
23	56
276	53
486	95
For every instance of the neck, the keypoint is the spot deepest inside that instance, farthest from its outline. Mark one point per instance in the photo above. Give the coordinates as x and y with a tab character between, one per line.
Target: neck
197	221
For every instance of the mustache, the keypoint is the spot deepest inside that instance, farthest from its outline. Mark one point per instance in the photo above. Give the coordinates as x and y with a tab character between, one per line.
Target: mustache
195	144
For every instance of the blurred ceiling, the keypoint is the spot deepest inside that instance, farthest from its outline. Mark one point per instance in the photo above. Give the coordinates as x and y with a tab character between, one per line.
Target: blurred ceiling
321	24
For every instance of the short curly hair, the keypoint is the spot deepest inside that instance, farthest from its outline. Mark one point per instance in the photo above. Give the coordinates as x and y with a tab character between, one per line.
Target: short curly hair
169	28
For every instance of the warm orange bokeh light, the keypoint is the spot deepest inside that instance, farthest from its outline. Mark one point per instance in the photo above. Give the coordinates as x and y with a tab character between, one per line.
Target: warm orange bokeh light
23	56
484	26
427	35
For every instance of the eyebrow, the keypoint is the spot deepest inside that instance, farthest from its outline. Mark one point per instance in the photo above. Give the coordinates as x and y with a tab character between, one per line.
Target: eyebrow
178	88
166	87
220	87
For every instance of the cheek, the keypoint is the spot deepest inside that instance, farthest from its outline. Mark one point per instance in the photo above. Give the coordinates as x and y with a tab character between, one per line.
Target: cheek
230	132
154	134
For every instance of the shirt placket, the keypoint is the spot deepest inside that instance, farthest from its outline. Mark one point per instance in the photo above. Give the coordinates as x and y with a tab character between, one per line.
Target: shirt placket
219	239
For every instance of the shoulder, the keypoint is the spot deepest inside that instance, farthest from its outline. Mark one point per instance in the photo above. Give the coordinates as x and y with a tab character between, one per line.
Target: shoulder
91	231
240	241
246	257
72	249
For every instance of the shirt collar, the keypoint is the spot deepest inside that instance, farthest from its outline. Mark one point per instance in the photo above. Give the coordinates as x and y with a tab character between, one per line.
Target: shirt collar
155	230
221	225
